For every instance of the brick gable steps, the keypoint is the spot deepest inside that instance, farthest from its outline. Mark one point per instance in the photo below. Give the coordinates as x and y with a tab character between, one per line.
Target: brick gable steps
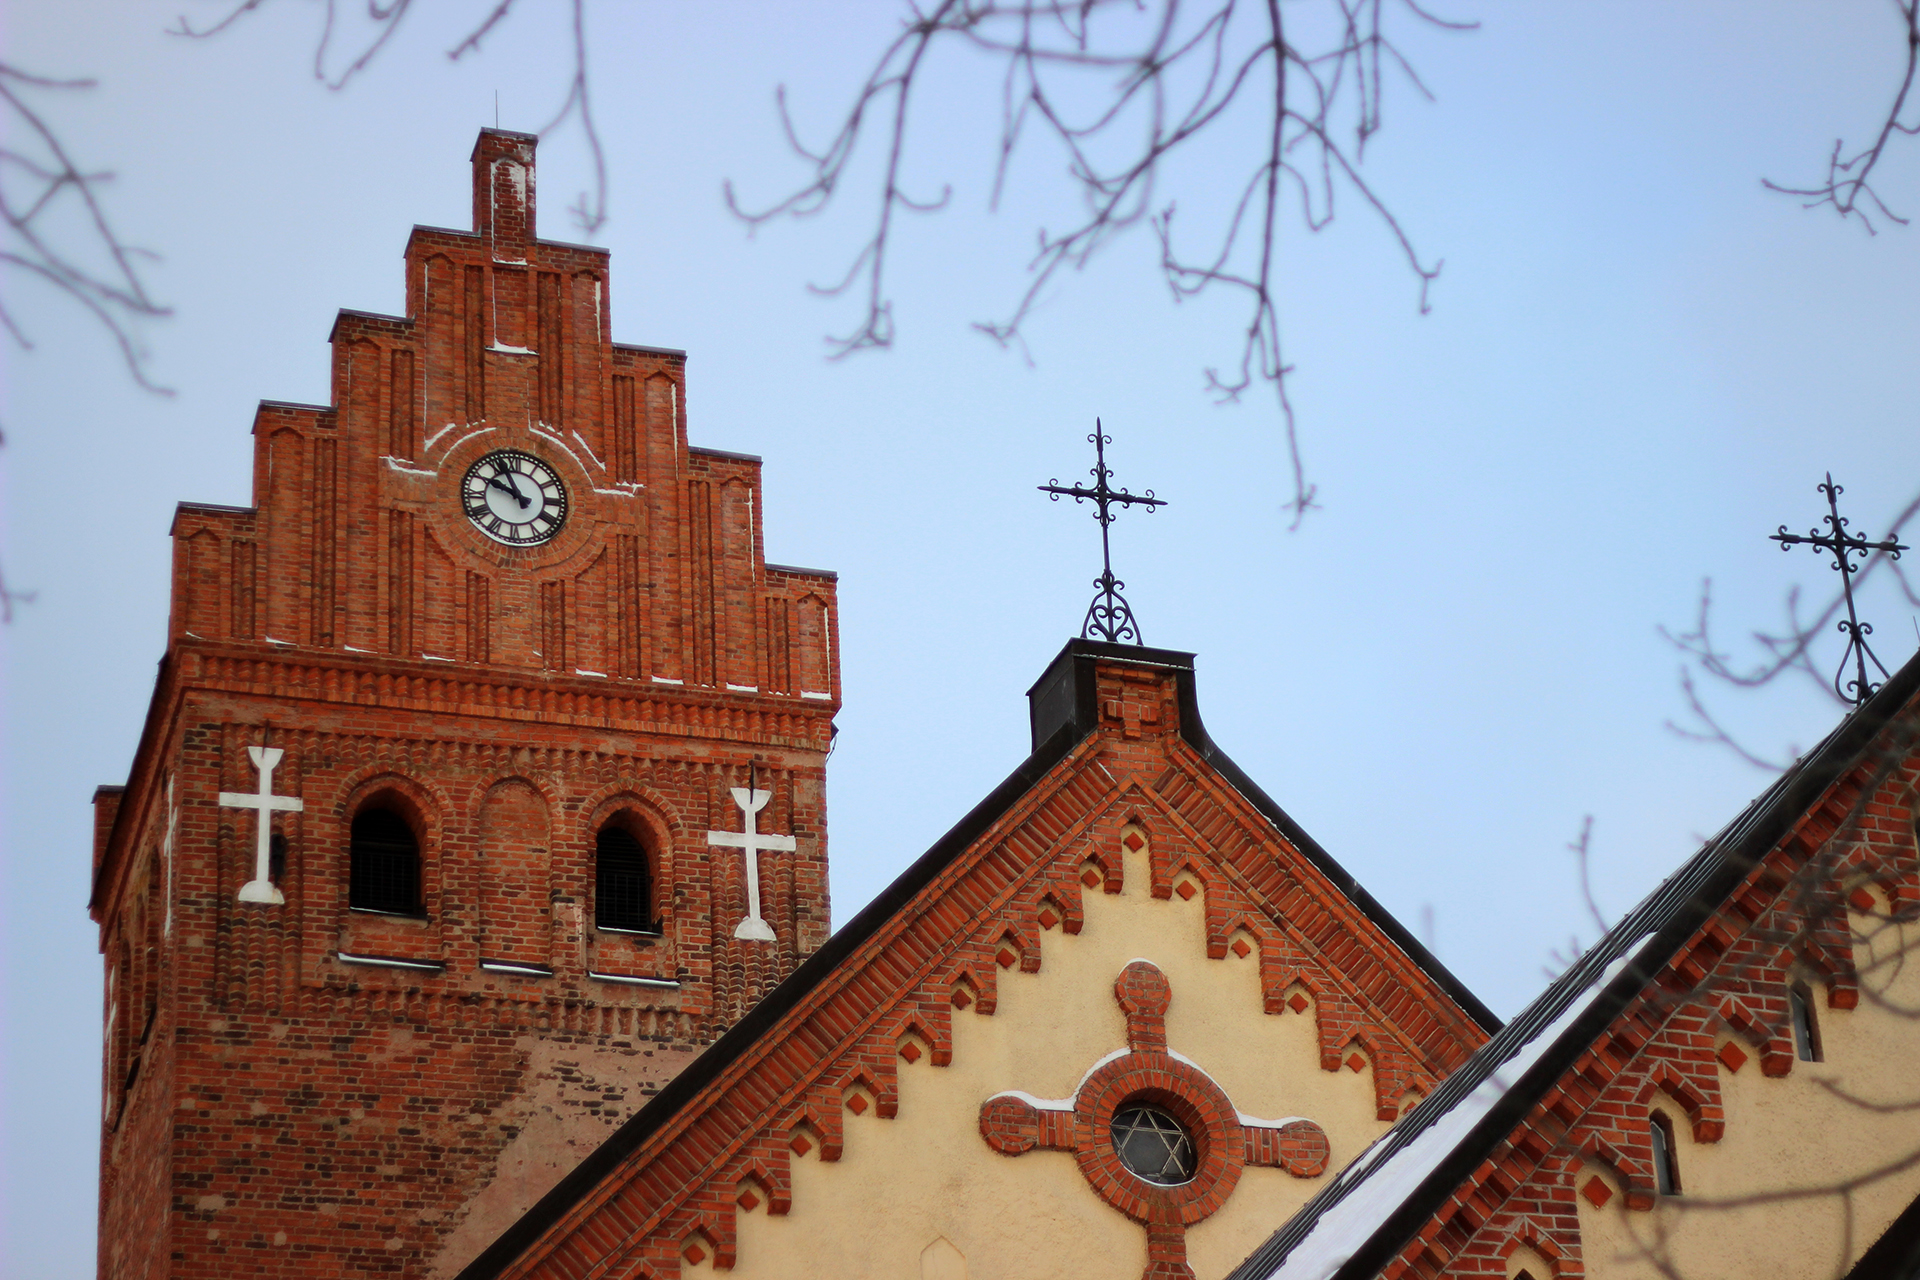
1538	1156
1125	916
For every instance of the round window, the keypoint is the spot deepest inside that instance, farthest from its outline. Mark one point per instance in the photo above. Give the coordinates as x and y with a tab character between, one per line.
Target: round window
1153	1145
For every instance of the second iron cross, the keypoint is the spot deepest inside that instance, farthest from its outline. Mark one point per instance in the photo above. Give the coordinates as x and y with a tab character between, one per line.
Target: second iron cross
1108	617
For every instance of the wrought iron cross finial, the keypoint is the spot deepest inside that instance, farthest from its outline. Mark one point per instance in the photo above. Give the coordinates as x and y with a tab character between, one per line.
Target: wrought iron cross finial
1844	546
1108	617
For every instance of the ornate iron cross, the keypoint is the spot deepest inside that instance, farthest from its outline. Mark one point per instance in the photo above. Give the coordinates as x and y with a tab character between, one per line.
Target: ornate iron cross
1844	546
1108	617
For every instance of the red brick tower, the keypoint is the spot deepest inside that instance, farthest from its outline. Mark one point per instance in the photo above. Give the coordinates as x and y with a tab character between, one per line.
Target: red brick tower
498	659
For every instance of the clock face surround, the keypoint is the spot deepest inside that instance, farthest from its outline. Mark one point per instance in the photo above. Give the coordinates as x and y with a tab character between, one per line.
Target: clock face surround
514	498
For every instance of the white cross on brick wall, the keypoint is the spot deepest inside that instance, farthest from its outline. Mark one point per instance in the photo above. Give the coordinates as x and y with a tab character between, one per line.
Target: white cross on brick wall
264	803
750	842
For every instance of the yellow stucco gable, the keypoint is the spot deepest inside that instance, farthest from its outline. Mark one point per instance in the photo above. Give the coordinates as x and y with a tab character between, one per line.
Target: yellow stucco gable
1126	933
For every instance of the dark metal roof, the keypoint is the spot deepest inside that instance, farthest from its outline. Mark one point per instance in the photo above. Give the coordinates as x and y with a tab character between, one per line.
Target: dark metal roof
1896	1254
1666	919
1072	717
805	572
705	452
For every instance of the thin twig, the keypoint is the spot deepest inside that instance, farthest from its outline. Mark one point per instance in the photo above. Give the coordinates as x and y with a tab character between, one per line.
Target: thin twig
1849	177
382	22
1162	78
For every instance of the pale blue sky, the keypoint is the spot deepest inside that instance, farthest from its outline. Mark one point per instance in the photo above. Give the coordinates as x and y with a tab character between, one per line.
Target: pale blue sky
1637	365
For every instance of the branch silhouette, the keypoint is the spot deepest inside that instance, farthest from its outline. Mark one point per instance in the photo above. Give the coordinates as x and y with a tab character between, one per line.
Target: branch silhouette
336	68
1121	89
1848	187
58	236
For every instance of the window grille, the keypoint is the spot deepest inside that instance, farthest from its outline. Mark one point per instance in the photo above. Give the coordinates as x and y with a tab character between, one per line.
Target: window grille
1153	1145
622	896
385	857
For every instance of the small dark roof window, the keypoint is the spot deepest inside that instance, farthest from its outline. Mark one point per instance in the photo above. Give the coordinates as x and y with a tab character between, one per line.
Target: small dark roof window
1806	1025
1666	1161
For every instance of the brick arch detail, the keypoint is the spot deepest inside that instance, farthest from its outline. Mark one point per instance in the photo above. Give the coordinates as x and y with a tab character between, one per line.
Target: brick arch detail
1765	1030
1698	1095
664	827
434	826
1529	1232
1633	1170
632	792
356	787
773	1171
433	812
545	786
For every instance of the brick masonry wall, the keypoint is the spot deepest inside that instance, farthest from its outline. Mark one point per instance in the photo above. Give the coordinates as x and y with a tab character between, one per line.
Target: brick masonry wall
271	1109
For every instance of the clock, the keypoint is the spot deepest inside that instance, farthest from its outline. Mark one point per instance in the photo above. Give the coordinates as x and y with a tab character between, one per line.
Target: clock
514	498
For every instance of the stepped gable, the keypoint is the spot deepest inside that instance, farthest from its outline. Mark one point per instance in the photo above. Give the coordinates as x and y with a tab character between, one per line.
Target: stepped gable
353	544
1541	1147
542	690
1125	799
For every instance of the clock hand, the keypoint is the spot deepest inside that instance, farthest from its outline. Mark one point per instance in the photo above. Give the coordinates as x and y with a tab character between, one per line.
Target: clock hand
509	486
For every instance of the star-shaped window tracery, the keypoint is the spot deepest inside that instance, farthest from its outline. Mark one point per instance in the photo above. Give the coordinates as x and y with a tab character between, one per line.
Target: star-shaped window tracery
1153	1145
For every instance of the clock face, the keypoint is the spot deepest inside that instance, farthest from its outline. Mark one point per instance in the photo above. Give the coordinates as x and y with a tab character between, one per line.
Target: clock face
514	498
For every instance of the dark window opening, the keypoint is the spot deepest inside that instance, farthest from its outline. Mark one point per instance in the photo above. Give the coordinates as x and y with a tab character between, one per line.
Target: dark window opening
1523	1274
622	897
385	871
277	859
1806	1029
1666	1161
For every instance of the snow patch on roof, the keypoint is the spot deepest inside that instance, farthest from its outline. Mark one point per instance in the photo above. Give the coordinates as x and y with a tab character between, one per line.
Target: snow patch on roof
1348	1223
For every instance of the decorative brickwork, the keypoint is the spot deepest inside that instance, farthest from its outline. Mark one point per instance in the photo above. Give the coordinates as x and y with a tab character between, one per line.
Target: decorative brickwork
302	1089
1225	1141
1721	1000
1134	781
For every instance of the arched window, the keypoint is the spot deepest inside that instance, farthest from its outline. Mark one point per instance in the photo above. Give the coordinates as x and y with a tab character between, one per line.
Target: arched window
622	895
1666	1160
1806	1027
385	871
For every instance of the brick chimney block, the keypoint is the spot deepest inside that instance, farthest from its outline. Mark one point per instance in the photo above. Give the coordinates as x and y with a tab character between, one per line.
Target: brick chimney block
503	192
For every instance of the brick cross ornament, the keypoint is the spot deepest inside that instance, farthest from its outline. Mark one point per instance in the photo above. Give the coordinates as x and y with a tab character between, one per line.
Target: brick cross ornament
750	842
1156	1136
263	802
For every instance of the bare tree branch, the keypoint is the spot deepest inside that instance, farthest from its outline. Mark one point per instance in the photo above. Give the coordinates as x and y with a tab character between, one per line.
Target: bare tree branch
44	192
1788	650
1121	87
1581	848
381	21
45	197
1849	178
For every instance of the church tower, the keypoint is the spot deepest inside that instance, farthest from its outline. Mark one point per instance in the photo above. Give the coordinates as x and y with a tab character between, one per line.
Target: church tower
482	784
